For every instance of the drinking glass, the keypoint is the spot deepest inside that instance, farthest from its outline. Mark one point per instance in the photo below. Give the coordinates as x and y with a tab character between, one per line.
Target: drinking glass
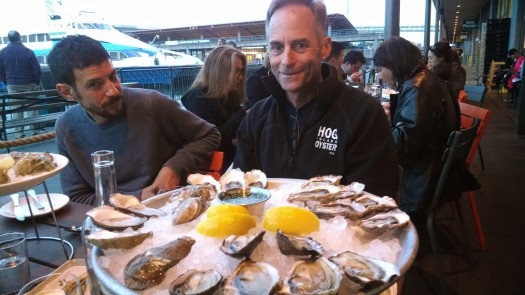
55	284
14	262
105	177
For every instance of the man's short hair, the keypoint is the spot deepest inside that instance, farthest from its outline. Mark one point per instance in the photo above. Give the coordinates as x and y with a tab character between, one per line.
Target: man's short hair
316	6
337	47
75	52
353	56
14	36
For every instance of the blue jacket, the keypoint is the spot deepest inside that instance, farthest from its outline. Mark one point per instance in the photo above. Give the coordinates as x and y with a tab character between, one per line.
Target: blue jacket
18	65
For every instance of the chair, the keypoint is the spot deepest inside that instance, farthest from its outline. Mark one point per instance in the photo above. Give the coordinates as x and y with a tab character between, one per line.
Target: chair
475	93
459	146
462	97
215	165
467	113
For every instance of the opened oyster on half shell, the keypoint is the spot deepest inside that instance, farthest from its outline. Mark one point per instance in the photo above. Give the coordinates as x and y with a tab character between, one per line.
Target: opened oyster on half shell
233	178
194	282
384	222
252	278
320	277
241	247
130	204
111	219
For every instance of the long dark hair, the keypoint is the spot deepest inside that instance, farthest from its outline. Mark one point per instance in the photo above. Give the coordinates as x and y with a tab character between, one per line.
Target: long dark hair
400	56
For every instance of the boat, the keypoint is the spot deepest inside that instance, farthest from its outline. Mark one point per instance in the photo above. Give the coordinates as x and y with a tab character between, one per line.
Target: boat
124	50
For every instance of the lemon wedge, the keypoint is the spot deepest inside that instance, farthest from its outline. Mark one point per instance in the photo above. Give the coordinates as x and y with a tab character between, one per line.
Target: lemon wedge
291	220
223	225
225	209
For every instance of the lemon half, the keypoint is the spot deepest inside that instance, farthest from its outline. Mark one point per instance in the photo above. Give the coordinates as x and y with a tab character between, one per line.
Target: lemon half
291	220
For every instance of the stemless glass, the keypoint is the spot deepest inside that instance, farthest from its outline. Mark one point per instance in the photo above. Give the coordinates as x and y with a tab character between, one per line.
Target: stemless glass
105	177
14	262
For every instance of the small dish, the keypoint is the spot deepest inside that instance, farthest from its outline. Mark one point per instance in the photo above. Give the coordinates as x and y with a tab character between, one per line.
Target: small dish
253	198
57	200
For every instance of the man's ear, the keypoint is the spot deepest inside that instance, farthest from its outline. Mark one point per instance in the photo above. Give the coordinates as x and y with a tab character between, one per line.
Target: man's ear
326	46
66	91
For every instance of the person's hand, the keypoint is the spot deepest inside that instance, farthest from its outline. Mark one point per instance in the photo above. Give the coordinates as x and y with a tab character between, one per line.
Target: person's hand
386	108
356	77
165	180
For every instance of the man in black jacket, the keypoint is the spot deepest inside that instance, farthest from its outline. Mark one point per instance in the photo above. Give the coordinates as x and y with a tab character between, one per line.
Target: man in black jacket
313	123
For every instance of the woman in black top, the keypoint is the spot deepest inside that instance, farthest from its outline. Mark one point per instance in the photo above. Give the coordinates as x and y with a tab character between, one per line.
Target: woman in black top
217	95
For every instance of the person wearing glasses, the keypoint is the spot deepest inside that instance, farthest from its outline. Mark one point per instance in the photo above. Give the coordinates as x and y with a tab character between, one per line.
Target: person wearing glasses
313	123
218	93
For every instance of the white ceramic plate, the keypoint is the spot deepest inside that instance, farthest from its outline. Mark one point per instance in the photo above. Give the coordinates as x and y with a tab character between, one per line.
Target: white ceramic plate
29	181
57	200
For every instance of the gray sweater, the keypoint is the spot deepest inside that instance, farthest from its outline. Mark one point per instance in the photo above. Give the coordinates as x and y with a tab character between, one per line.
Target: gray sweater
153	131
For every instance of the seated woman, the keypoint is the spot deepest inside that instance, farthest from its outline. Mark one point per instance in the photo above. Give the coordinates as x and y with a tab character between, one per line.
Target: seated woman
217	95
445	63
423	115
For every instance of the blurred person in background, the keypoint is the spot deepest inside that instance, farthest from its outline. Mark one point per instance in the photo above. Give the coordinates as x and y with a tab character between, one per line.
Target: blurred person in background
352	64
20	71
217	95
336	57
445	63
313	123
422	117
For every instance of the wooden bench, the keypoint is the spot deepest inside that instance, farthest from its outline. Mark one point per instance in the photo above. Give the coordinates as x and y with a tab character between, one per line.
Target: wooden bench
22	102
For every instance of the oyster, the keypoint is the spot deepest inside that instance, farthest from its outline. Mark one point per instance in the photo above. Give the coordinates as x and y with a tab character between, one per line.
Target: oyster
383	222
233	178
322	180
205	192
252	278
320	194
195	282
241	246
365	271
130	204
203	179
109	218
187	210
149	268
306	248
256	178
125	240
312	277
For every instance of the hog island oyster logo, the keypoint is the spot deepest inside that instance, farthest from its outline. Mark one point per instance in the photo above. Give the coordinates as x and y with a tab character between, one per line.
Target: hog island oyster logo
327	139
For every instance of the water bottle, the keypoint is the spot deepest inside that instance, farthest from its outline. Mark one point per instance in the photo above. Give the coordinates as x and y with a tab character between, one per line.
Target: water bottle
105	177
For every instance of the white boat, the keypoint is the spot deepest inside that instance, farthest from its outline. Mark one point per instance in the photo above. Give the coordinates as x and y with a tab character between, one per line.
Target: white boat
125	51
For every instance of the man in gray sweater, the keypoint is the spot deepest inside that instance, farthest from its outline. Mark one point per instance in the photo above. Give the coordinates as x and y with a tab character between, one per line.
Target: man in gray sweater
156	143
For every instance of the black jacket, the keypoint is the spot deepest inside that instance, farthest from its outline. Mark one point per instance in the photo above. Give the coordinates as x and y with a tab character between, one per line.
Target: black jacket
226	118
347	134
423	116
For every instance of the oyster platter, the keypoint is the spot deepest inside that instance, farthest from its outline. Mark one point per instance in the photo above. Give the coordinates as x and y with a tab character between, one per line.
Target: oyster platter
314	236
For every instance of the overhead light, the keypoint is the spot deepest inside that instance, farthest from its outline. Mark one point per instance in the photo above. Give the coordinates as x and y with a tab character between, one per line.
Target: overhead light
458	5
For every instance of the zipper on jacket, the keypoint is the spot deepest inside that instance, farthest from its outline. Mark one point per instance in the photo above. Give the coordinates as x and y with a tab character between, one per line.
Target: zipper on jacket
291	160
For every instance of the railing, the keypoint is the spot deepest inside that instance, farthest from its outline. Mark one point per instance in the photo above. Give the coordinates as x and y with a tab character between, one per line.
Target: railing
171	81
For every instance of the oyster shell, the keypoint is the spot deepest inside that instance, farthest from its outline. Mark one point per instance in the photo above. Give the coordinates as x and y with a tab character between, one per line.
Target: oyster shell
109	218
322	180
187	210
252	278
241	246
130	204
206	192
365	271
312	277
384	222
233	178
320	194
124	240
305	248
194	282
149	268
203	179
256	178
